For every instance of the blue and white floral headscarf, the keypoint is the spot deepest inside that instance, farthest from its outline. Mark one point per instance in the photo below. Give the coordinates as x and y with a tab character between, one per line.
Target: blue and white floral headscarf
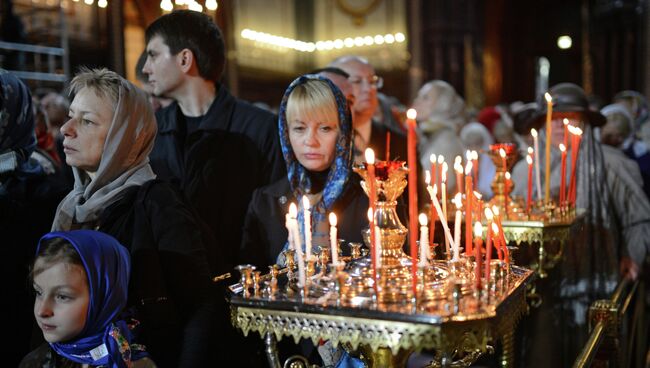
106	339
17	135
341	168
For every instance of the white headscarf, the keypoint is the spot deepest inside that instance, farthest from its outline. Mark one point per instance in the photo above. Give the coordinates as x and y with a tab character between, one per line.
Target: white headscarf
124	162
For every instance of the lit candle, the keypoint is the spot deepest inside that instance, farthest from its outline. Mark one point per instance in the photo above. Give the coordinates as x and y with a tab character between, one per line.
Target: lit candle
502	237
427	180
434	168
565	121
295	234
488	245
424	241
479	205
372	194
476	166
373	243
333	239
378	251
549	134
441	159
497	240
459	204
533	132
575	148
507	199
502	153
468	211
388	146
411	114
443	188
458	168
433	193
478	245
562	173
529	193
307	223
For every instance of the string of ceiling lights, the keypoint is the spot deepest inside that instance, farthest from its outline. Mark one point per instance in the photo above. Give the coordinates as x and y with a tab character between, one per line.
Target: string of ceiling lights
326	45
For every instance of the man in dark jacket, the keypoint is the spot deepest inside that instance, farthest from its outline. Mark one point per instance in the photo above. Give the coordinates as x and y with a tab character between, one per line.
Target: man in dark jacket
218	149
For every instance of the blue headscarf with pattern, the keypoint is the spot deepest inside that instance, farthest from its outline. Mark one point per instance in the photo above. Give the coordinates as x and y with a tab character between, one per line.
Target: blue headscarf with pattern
17	135
106	338
341	168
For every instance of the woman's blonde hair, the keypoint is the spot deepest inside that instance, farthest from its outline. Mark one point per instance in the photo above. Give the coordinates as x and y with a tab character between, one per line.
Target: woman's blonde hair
312	101
105	83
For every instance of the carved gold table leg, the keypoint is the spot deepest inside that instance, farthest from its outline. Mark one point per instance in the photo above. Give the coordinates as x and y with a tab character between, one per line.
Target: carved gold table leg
508	345
540	261
271	349
383	357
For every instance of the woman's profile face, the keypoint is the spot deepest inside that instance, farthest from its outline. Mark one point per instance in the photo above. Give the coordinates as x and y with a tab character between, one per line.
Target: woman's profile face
314	142
85	133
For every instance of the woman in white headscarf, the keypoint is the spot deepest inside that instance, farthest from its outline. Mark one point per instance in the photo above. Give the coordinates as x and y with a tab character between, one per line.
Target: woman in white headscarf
107	142
441	115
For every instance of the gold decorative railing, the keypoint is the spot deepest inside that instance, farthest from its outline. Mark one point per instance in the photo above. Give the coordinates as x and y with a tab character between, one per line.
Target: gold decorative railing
618	329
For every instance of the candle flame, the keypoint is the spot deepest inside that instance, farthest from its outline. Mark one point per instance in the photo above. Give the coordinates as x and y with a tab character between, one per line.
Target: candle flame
565	121
370	156
468	168
533	132
433	158
411	114
548	97
468	155
495	228
478	195
478	229
474	155
293	210
458	167
441	159
332	219
305	203
458	200
457	159
427	177
423	219
562	148
507	175
495	210
488	214
502	153
443	172
531	150
529	159
578	131
370	214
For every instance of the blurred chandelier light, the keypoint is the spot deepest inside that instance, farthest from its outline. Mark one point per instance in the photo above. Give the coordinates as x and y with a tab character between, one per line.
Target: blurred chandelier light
325	45
102	3
564	42
168	5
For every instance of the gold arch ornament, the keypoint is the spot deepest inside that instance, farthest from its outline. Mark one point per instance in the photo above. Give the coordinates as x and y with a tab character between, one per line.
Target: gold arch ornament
358	12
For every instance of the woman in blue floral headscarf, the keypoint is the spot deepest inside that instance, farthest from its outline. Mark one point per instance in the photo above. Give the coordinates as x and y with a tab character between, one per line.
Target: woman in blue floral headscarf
315	135
28	200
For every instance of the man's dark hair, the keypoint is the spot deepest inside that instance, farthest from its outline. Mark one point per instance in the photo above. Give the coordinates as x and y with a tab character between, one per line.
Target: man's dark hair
187	29
333	70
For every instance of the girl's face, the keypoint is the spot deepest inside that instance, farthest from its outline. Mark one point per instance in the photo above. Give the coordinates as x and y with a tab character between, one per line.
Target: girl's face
314	142
62	298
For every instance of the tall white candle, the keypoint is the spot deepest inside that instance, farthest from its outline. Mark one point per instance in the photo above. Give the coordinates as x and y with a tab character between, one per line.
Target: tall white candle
333	240
307	213
378	246
433	192
295	234
538	181
424	240
458	203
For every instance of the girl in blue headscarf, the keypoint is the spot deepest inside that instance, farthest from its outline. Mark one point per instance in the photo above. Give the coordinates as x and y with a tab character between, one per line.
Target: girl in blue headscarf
315	135
80	282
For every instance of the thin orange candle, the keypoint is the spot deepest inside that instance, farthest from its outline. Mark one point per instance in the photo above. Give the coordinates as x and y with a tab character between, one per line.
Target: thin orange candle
475	173
488	245
575	147
499	224
562	173
372	190
529	192
497	240
479	205
441	160
411	114
458	168
478	245
434	169
549	134
469	190
565	121
388	146
508	186
374	233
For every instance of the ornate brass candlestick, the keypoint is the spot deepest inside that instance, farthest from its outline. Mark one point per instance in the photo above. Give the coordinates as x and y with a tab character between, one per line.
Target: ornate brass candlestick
502	187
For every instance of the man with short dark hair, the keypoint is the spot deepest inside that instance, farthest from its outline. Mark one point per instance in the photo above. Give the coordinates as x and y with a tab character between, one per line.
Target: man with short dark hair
217	148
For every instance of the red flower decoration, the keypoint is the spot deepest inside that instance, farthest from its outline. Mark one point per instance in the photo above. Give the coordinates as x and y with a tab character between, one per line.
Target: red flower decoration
383	169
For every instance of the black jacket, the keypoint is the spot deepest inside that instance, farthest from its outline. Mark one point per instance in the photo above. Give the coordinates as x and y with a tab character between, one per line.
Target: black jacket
234	151
265	233
170	284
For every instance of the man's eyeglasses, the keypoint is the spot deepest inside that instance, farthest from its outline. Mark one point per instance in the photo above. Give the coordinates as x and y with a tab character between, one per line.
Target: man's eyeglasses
375	81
